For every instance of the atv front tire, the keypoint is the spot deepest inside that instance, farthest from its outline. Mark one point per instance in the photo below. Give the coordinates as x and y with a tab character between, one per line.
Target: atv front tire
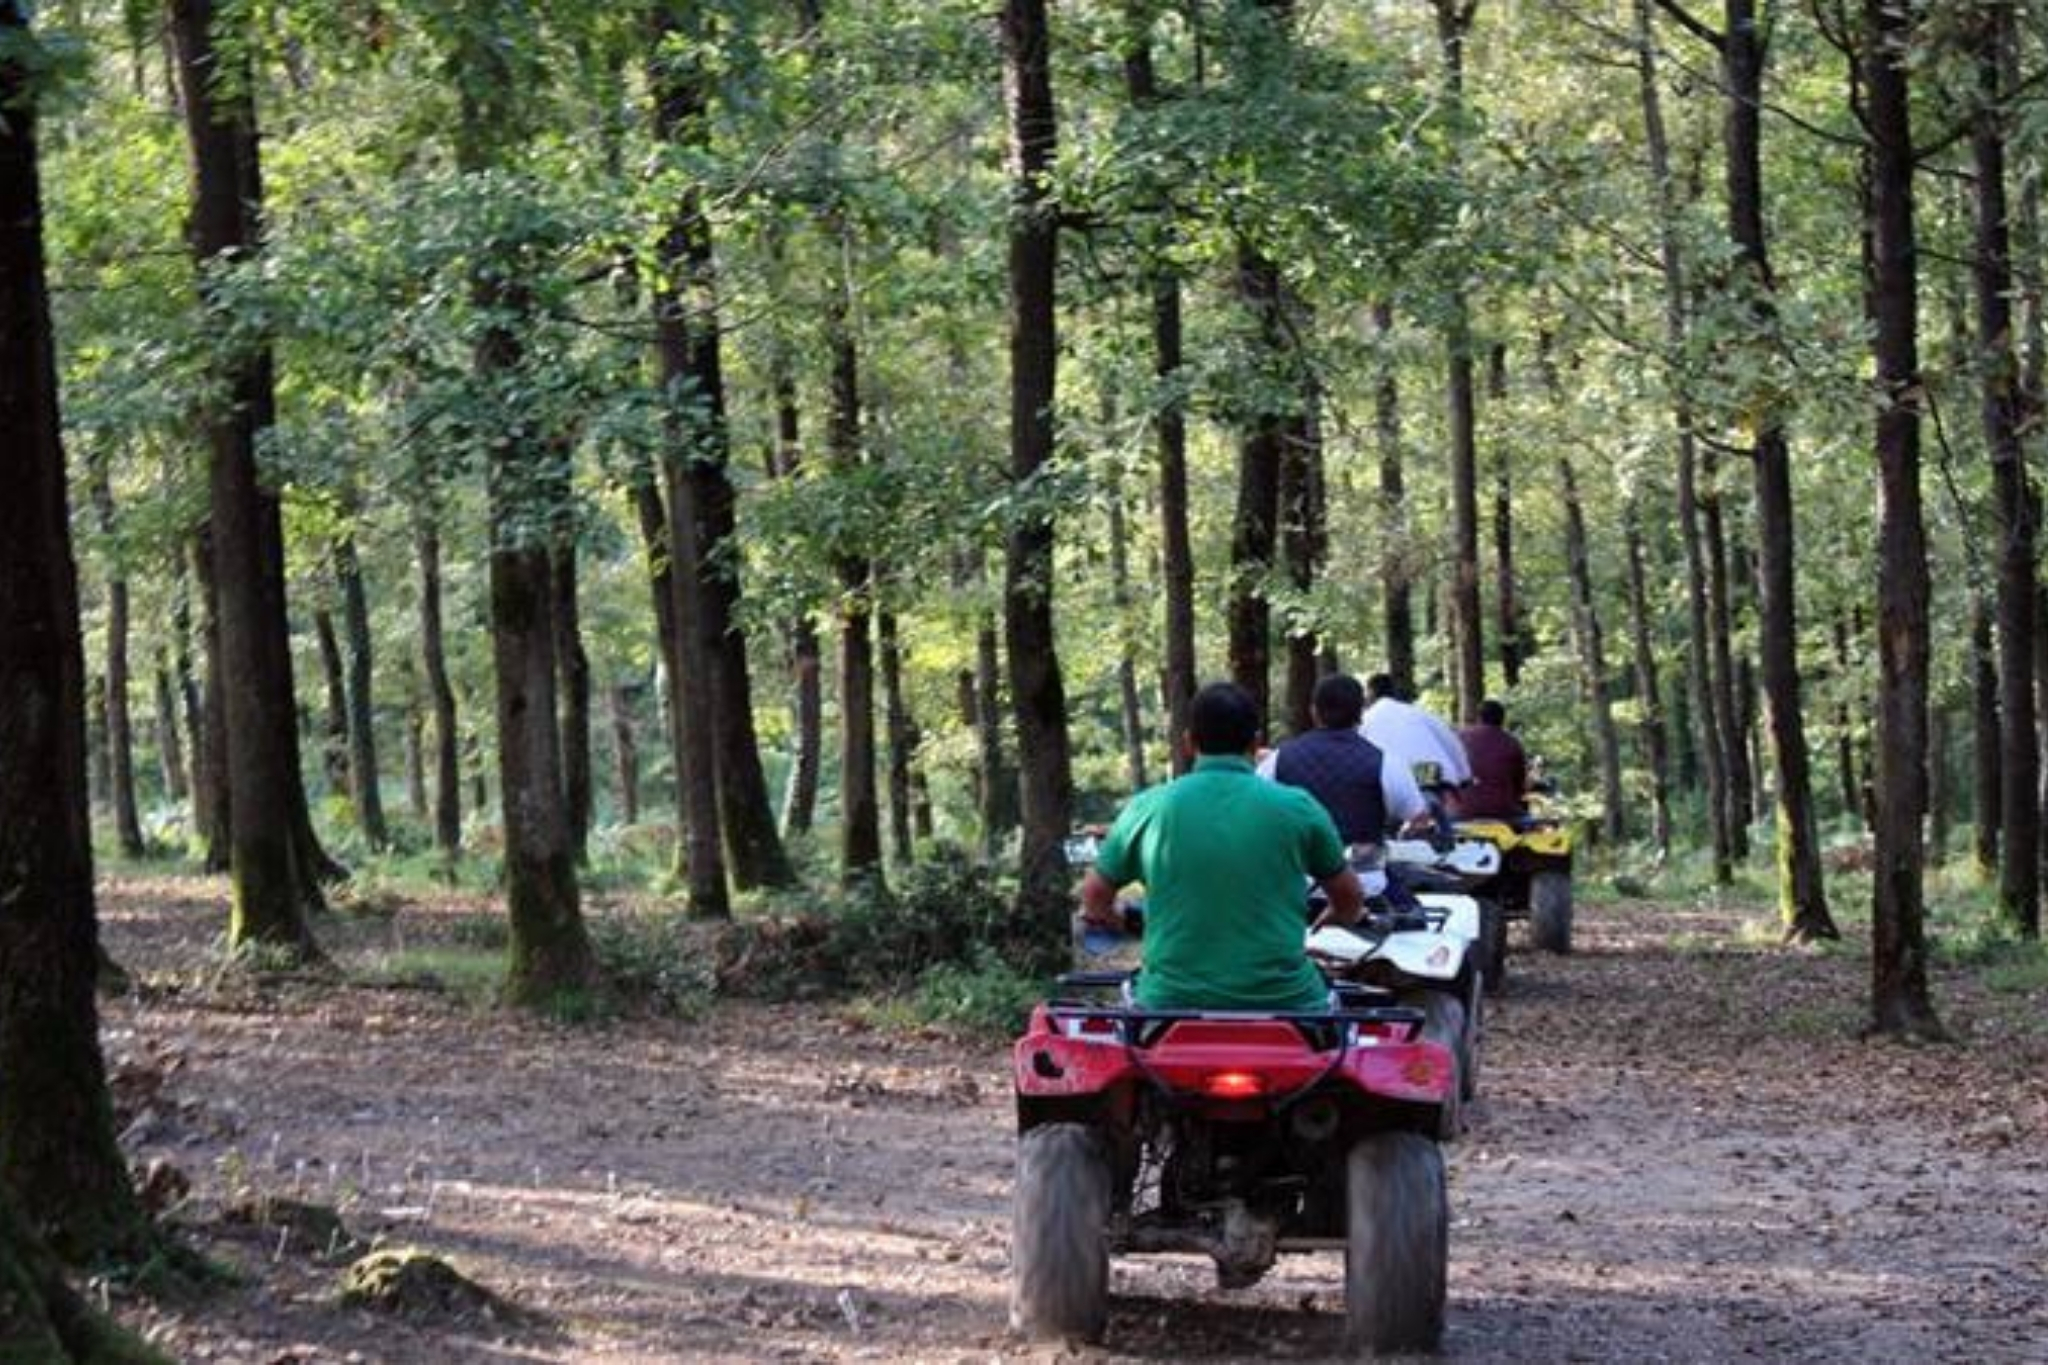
1397	1244
1059	1261
1550	911
1493	936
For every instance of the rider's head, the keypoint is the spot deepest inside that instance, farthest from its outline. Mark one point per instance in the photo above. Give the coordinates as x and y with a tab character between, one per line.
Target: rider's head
1338	702
1492	713
1379	687
1223	719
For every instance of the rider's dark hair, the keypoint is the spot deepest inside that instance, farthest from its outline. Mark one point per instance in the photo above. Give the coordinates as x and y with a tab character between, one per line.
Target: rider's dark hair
1379	685
1338	702
1223	719
1492	712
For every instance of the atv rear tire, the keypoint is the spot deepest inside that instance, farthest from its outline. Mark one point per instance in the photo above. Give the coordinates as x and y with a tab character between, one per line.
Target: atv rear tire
1443	1021
1059	1260
1493	937
1397	1244
1550	911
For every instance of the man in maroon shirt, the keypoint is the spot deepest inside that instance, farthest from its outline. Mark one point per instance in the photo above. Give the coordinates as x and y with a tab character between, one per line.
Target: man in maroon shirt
1500	769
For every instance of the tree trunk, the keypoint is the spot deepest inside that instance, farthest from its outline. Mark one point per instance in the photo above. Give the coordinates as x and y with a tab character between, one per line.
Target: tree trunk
1036	690
170	750
1986	739
120	735
681	113
997	794
860	814
1262	450
654	524
1853	803
1802	898
1506	603
549	954
1705	728
1396	594
212	809
58	1155
2019	885
1736	799
800	795
902	739
1305	546
1592	657
1130	710
1940	799
625	755
1899	997
334	707
572	684
440	693
416	799
1177	562
1649	692
273	870
364	789
1454	22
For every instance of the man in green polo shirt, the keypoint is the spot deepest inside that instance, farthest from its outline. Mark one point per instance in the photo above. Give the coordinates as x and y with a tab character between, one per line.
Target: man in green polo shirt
1223	854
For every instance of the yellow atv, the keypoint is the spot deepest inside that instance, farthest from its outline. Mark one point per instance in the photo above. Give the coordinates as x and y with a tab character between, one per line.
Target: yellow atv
1535	878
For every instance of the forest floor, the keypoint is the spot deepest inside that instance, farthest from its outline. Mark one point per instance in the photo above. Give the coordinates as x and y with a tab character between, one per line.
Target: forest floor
1682	1152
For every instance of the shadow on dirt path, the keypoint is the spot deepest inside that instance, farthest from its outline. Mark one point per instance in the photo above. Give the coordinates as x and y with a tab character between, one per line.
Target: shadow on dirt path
1682	1153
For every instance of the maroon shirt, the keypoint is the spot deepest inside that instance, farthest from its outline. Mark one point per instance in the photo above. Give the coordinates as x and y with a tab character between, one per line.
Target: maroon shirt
1500	774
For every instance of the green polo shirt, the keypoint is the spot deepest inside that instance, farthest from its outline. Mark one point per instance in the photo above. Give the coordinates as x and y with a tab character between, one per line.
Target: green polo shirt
1222	854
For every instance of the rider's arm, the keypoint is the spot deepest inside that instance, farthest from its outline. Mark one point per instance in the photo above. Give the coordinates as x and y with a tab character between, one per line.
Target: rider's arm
1403	798
1347	900
1098	901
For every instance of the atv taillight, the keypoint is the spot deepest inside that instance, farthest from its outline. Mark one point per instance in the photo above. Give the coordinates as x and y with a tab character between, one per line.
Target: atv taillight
1233	1085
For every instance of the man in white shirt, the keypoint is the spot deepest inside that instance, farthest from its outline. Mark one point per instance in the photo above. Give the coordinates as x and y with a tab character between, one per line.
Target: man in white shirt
1410	735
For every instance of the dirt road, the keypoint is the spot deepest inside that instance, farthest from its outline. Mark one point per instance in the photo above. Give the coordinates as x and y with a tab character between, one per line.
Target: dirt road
1681	1153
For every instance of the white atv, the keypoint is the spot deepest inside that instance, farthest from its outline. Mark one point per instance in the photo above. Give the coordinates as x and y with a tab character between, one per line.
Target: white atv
1468	869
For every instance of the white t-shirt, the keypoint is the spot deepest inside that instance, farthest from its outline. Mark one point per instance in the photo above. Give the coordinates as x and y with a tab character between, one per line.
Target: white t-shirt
1410	735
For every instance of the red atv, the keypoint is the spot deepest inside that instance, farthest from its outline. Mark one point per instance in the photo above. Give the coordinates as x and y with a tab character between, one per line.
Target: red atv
1239	1136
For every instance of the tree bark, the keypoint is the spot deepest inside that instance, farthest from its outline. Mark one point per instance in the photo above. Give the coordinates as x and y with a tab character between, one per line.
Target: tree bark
902	739
1305	546
1036	690
1736	797
1177	562
654	524
1255	526
1990	785
1649	691
440	692
120	733
2004	415
1454	22
1899	997
273	859
212	808
365	790
549	953
1705	729
572	684
170	748
625	755
58	1155
800	795
1506	603
334	704
860	813
1396	594
1802	897
681	112
1130	709
1592	657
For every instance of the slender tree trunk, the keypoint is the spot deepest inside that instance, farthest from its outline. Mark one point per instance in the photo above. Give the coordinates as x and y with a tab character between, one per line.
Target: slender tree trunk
654	524
1990	785
1592	656
1649	693
860	814
800	795
364	788
417	802
681	113
1845	722
1705	728
902	738
625	755
58	1156
1506	603
1396	594
1940	799
1454	22
1802	898
334	704
273	870
1305	546
1130	710
120	733
1036	690
213	806
185	685
440	692
170	750
1736	797
1262	451
996	782
1899	996
2004	416
572	683
1177	563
